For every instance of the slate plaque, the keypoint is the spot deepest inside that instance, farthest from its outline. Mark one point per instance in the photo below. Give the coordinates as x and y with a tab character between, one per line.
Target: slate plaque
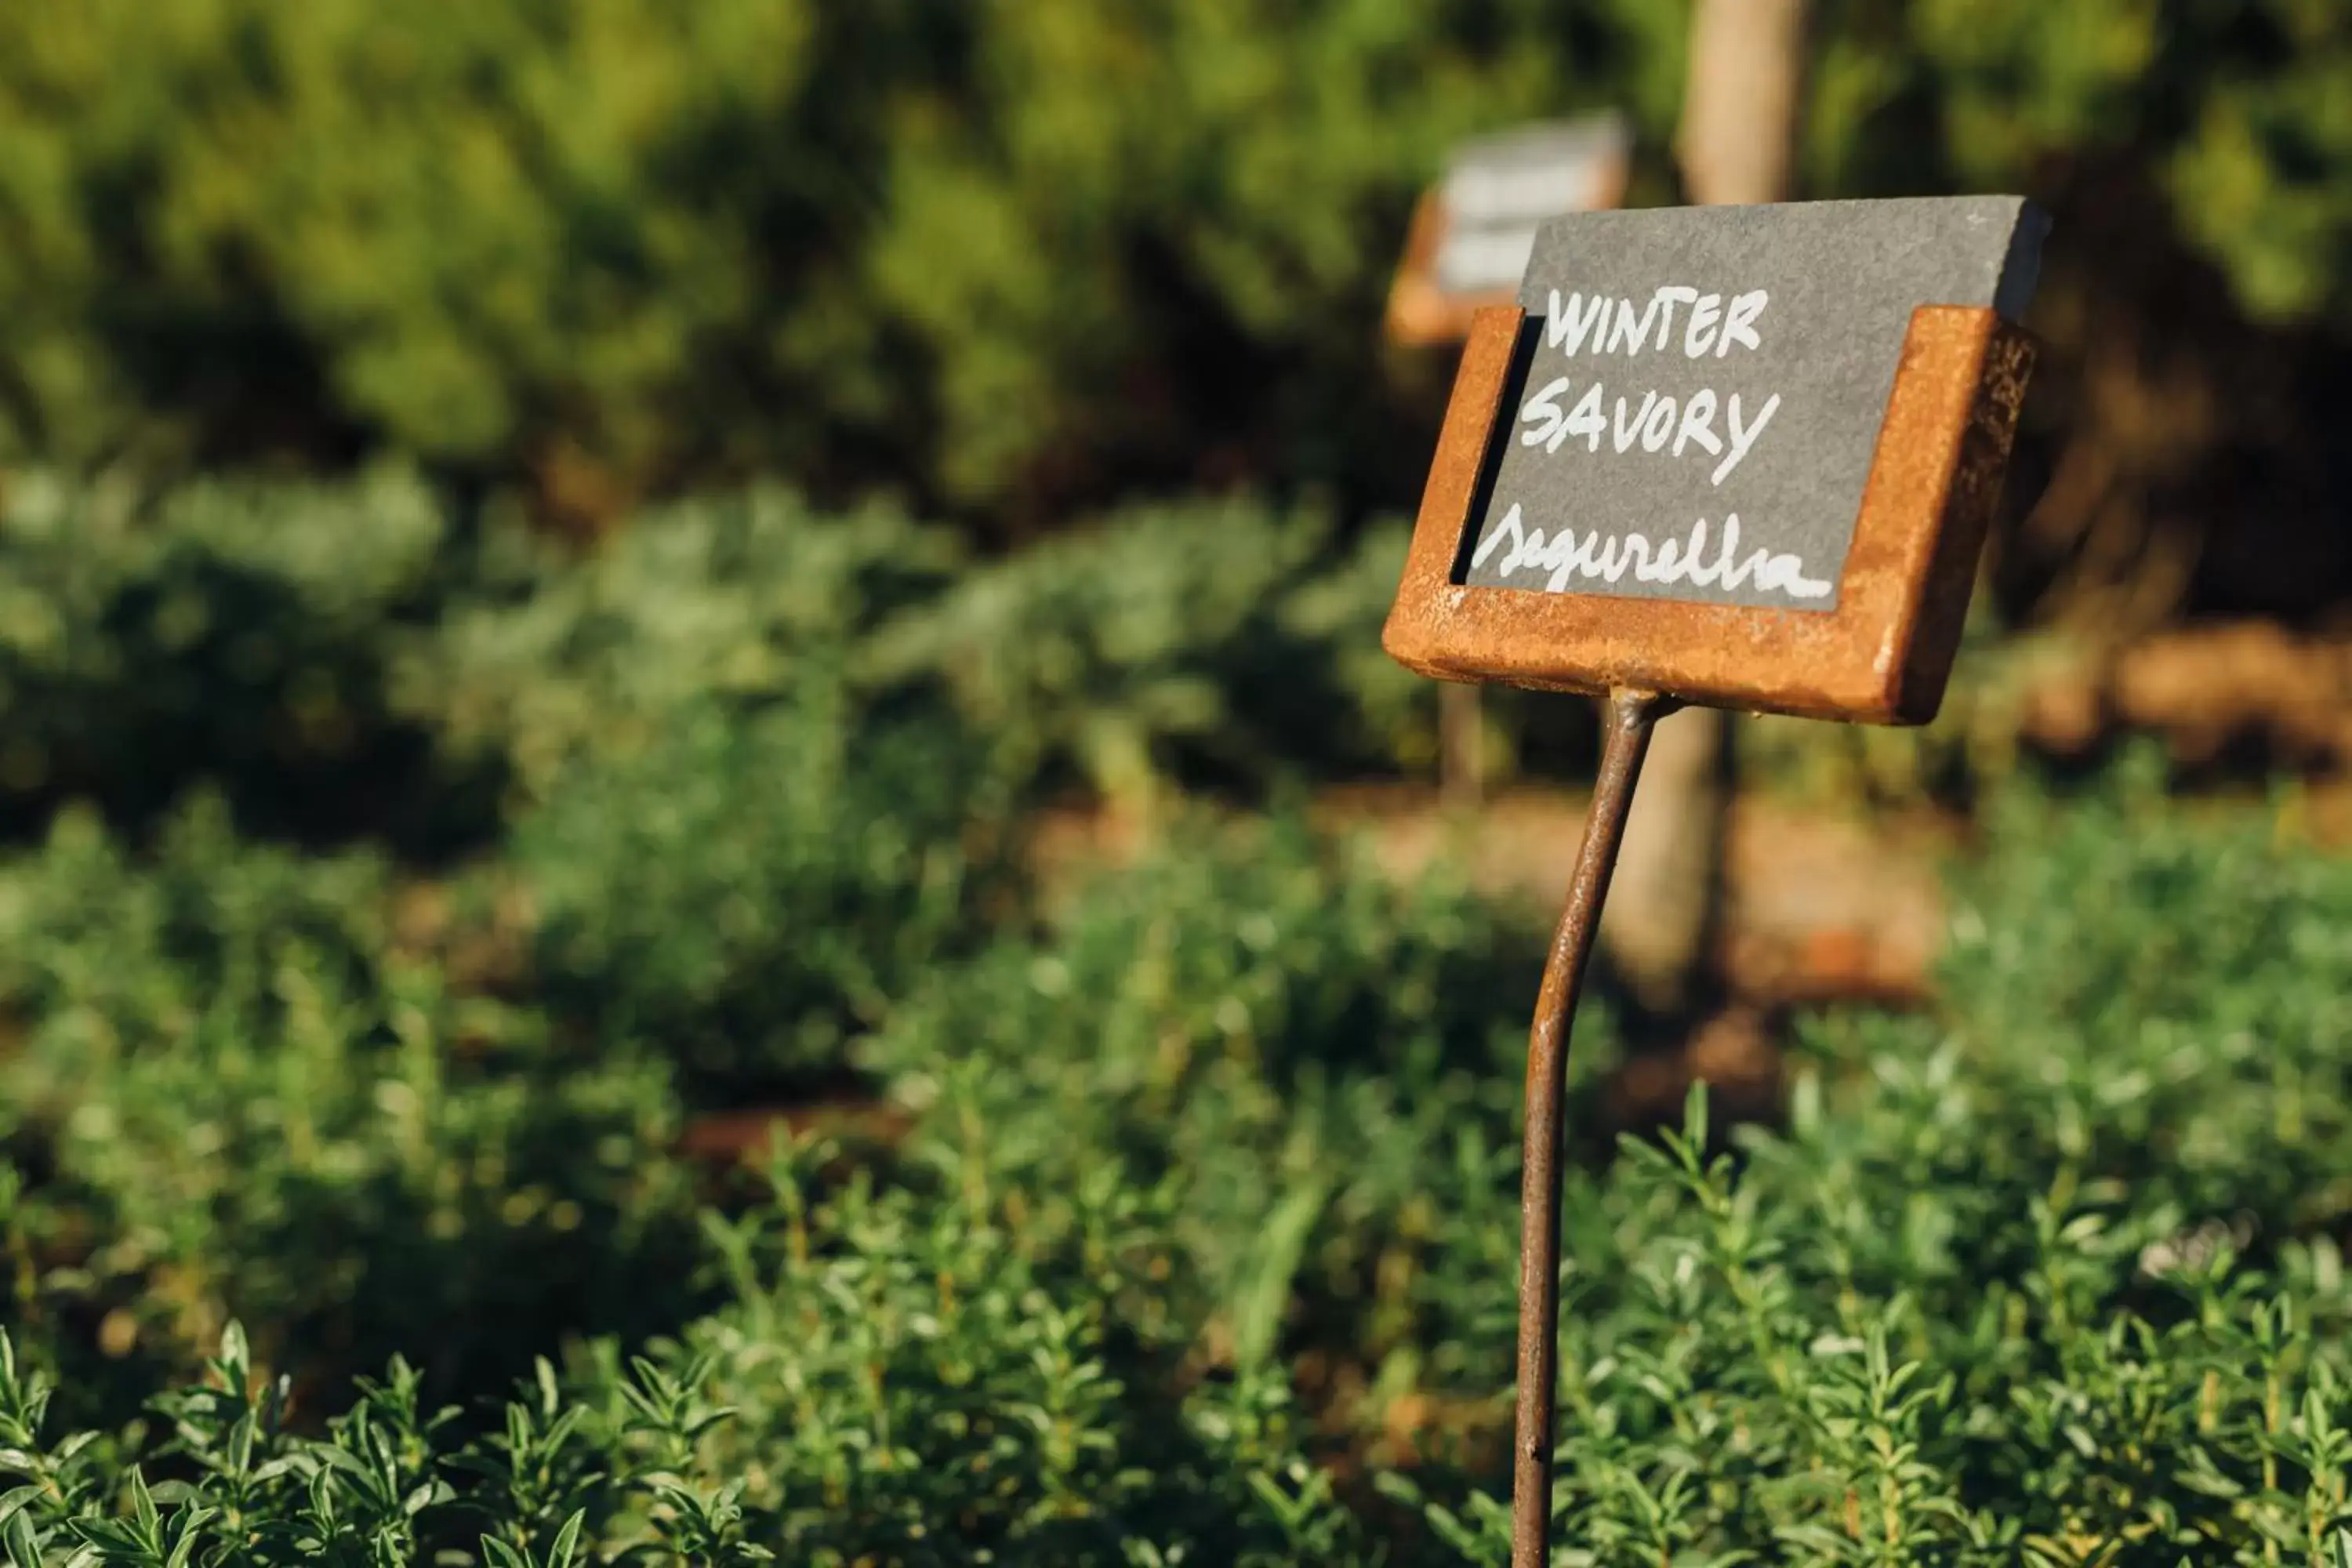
1695	412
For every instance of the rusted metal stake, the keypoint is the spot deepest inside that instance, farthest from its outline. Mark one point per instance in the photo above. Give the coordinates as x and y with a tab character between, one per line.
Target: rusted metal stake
1630	714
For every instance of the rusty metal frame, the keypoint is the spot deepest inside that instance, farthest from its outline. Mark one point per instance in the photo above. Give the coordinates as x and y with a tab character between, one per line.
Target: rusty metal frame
1881	657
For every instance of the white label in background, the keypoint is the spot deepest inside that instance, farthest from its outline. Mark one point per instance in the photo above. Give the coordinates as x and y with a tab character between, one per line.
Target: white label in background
1485	260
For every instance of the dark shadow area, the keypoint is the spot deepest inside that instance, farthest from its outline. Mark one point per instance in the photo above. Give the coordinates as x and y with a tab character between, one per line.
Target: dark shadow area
219	674
332	1279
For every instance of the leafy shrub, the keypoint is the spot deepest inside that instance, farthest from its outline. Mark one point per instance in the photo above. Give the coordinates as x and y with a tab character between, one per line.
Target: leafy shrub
2226	111
601	248
986	1375
1213	642
1319	1064
1019	260
2054	1274
2170	988
242	1099
240	635
990	1367
1807	1361
447	227
2051	1278
750	892
541	658
2055	1278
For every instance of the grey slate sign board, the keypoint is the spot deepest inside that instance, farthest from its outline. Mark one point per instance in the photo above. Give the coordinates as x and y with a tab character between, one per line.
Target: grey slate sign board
1696	414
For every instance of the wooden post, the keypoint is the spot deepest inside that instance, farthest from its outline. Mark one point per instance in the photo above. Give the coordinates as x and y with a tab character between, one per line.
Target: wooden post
1460	746
1738	144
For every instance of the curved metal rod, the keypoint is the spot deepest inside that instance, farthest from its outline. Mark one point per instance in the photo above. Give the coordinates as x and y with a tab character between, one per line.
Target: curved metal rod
1627	740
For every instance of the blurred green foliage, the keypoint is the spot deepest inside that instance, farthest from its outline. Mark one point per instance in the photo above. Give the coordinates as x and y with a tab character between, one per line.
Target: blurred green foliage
1213	642
539	659
239	632
387	890
2236	112
1314	1057
243	1095
1006	257
2047	1274
751	893
1199	1240
603	247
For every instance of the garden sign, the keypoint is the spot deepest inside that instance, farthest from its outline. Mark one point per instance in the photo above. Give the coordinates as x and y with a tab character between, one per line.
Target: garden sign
1473	234
1737	456
1734	456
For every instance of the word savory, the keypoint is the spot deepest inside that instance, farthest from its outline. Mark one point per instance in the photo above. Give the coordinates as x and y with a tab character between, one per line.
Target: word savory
1600	326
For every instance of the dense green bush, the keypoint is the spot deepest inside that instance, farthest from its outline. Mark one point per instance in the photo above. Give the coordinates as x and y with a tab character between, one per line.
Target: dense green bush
993	1373
599	247
1320	1065
2050	1278
2057	1278
235	1093
539	659
749	893
1201	1247
243	634
2052	1275
348	661
2238	114
1007	257
984	1367
1215	643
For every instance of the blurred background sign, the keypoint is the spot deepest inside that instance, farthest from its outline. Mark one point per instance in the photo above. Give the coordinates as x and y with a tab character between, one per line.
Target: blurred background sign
1470	239
1472	233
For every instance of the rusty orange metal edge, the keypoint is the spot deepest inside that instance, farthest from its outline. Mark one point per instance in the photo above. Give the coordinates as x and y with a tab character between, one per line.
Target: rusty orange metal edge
1882	656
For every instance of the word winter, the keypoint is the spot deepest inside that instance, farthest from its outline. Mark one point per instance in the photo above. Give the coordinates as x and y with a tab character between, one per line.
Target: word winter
1608	324
1565	555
